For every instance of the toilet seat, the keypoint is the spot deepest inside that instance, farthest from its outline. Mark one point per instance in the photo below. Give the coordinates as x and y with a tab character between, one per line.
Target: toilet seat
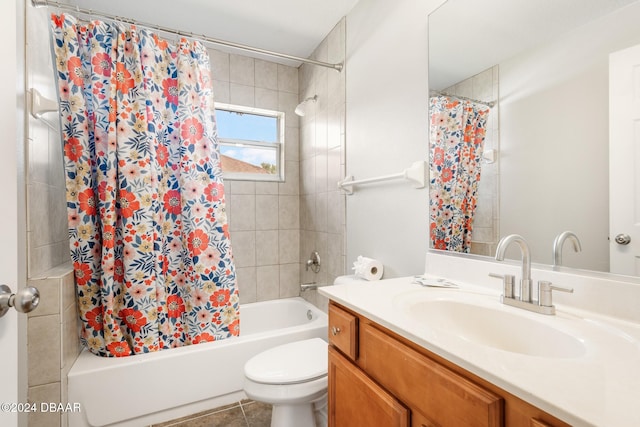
291	363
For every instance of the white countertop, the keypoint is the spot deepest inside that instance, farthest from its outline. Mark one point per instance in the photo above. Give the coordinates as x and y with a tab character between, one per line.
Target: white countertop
598	387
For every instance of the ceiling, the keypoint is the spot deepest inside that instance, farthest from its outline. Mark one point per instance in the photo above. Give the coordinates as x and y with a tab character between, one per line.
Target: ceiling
293	27
499	29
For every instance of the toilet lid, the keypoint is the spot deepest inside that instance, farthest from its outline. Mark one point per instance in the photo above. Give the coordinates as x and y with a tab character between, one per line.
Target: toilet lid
290	363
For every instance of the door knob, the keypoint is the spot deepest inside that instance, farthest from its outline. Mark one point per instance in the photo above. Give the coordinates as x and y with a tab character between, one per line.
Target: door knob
24	301
623	239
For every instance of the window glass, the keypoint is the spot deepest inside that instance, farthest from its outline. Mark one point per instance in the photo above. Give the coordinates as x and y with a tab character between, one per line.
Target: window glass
251	142
253	127
242	158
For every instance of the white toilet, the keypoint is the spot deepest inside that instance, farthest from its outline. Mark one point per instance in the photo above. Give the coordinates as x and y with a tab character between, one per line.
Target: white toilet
293	378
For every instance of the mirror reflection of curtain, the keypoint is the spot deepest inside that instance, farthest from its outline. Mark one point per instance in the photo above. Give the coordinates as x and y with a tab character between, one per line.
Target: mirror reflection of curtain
457	131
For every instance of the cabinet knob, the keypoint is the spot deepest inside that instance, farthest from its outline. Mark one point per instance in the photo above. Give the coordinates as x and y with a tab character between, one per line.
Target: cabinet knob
335	330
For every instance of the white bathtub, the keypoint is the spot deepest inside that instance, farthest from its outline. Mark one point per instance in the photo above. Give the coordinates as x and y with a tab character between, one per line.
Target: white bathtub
149	388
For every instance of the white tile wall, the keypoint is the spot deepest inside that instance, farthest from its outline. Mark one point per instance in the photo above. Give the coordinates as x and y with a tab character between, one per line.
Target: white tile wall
48	244
53	345
264	218
322	145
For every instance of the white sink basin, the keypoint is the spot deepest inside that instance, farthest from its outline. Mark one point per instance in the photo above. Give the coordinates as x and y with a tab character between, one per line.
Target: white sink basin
493	326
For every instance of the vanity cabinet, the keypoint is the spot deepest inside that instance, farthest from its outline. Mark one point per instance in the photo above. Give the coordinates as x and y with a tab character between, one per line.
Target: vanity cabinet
363	403
377	377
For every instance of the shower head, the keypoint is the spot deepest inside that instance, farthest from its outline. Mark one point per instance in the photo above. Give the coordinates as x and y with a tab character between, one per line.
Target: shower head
301	109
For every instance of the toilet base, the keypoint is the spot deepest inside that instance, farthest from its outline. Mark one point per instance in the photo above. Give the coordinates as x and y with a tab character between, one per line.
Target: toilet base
312	414
293	416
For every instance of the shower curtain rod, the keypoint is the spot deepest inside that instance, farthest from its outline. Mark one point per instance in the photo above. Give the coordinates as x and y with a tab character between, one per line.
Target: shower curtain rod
489	104
202	37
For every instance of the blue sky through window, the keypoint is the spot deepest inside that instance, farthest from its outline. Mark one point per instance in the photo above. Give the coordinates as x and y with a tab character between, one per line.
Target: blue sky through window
249	126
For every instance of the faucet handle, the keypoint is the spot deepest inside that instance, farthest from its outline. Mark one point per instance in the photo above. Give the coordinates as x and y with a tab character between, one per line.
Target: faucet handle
544	292
507	283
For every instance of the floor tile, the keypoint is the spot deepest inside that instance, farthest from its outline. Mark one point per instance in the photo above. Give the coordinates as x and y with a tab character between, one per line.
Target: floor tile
258	414
229	418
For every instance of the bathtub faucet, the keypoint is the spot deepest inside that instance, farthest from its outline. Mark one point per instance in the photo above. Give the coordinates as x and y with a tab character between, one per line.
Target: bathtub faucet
308	286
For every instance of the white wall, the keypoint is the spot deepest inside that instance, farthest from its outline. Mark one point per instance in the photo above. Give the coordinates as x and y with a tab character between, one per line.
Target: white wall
564	86
387	130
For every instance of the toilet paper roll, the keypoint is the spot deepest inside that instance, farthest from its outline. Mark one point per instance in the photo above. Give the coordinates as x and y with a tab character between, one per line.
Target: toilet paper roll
368	268
341	280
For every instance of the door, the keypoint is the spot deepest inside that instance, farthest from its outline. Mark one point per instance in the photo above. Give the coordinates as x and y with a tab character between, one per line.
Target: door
8	211
624	155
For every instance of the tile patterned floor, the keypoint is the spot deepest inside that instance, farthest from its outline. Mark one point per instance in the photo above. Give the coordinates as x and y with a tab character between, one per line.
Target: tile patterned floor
246	413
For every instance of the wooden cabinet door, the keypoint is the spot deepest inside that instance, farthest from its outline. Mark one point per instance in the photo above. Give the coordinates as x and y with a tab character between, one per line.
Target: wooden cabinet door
444	396
357	401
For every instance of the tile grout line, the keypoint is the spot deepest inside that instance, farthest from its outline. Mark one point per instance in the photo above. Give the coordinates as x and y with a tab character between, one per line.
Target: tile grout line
244	415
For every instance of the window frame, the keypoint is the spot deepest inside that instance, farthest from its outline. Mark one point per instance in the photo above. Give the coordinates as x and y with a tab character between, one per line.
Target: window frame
279	176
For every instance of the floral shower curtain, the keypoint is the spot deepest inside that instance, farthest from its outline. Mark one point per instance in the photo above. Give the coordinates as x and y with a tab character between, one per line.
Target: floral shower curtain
457	134
147	225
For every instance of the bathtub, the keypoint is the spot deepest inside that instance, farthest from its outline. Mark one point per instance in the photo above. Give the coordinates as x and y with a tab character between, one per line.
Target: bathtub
155	387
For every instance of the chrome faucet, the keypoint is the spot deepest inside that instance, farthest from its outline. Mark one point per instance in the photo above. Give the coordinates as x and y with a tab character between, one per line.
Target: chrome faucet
558	243
525	281
543	305
313	262
308	286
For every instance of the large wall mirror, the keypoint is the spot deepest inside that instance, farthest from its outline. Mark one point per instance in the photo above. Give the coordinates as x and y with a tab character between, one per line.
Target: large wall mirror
545	65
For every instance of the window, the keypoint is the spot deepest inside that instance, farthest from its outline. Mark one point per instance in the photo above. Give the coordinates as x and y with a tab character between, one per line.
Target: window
251	143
